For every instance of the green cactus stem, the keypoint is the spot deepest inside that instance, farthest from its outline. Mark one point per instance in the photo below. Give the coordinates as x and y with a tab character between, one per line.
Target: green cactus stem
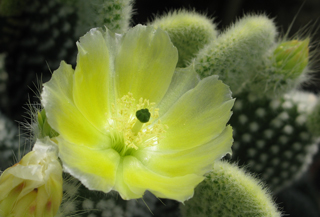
230	191
271	136
115	14
236	54
189	32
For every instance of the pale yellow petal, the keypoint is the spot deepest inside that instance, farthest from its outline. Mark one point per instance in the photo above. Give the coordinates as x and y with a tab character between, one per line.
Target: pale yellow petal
196	160
121	187
95	168
183	80
199	116
22	206
145	63
139	179
5	178
93	78
63	115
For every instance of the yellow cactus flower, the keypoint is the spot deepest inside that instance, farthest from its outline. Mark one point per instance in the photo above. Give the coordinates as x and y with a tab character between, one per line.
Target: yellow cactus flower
32	187
127	121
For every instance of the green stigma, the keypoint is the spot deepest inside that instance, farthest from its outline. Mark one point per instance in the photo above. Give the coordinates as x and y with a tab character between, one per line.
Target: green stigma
143	115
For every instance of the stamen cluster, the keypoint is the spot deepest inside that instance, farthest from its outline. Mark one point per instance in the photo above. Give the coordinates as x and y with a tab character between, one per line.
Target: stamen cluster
124	121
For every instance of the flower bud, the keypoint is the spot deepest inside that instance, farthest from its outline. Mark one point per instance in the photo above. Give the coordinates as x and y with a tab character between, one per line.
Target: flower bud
44	129
33	187
292	56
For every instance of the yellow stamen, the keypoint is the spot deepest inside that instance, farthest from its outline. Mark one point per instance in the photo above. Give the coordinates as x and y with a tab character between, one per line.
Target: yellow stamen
124	122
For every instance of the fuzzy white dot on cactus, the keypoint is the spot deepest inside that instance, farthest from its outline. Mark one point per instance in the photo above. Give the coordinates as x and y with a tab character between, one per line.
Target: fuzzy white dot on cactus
275	181
258	167
265	176
238	105
260	112
288	129
261	143
107	213
301	119
251	163
254	126
110	204
288	154
268	133
252	152
263	157
68	207
297	146
274	104
243	119
275	149
277	122
283	116
283	139
287	105
87	204
246	137
269	171
101	204
235	145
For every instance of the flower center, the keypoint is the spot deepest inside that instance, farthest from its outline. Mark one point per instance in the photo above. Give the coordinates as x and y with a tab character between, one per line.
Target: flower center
134	124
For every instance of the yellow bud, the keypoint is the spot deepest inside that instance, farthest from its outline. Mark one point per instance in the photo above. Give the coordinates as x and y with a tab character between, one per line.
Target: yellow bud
292	56
33	187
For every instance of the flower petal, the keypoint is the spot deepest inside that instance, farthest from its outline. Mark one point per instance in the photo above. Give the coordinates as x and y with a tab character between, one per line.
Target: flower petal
145	63
196	160
93	84
183	80
7	178
199	116
121	186
139	179
95	168
63	116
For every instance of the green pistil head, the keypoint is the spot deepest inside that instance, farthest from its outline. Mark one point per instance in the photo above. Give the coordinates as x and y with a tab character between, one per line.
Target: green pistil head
143	115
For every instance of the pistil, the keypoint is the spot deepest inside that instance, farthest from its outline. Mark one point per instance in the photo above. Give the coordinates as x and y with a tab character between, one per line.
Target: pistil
143	116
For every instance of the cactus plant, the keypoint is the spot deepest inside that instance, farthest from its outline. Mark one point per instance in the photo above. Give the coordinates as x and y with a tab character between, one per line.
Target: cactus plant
115	14
238	50
189	32
259	69
230	191
272	138
11	143
33	40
